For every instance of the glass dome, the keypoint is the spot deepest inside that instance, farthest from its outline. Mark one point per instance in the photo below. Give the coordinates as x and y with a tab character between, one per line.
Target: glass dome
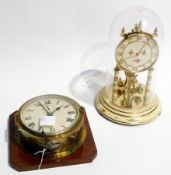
135	38
131	16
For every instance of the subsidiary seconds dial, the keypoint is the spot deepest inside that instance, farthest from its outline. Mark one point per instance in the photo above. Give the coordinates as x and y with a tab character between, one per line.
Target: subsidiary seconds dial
51	114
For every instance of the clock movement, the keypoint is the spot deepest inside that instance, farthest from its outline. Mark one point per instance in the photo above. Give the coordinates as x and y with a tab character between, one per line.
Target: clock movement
131	102
52	126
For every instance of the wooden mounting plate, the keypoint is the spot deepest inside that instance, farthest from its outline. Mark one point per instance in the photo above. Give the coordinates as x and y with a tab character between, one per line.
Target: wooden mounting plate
21	160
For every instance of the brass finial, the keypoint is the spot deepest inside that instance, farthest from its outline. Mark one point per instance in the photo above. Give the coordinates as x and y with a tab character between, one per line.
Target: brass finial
155	32
140	24
123	31
138	27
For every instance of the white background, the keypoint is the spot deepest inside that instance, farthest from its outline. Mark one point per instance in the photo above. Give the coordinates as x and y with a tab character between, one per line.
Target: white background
41	46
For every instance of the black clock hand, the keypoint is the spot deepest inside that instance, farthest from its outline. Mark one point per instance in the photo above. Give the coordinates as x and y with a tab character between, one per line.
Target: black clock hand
57	109
48	113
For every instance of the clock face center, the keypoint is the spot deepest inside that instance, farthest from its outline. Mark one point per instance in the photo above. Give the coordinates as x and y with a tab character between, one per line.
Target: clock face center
51	114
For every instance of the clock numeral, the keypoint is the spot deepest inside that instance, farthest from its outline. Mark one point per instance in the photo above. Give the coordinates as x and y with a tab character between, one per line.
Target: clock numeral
149	62
121	61
139	38
69	119
40	129
144	66
31	125
132	39
57	102
28	118
66	106
37	104
129	40
71	112
118	53
47	102
122	46
152	44
125	65
52	129
148	39
63	126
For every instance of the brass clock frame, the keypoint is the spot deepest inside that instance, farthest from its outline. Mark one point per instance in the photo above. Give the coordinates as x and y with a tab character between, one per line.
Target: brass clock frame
116	103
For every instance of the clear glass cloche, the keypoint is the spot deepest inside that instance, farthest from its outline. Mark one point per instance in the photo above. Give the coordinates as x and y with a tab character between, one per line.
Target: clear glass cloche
135	41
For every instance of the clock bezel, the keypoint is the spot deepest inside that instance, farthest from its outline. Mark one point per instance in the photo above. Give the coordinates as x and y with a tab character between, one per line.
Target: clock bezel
67	131
138	34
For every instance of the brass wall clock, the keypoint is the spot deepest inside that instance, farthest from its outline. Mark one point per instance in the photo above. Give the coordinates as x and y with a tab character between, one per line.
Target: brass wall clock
56	125
128	101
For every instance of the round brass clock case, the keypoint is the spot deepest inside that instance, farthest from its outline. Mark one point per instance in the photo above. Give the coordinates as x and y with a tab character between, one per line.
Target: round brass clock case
51	122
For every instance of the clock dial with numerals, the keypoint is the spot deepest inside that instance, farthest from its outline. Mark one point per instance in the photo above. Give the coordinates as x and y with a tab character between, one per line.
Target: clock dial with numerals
137	53
52	114
52	123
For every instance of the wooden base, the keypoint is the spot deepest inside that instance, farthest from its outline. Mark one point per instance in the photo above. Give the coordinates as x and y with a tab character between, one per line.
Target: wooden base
22	160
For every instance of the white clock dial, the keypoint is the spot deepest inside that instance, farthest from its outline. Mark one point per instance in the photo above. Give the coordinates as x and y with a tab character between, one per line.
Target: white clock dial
51	114
137	53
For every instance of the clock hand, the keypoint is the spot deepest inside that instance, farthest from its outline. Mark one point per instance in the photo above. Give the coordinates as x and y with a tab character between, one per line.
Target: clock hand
143	52
48	113
57	109
142	47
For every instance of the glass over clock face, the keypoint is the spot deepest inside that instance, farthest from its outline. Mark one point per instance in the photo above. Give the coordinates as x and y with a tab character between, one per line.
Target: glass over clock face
52	114
137	53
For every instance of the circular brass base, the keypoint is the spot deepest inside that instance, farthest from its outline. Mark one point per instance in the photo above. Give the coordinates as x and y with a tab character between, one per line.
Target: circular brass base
126	116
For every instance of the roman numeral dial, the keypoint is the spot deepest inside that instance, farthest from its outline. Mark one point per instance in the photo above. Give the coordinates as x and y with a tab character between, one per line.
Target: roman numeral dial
134	53
51	114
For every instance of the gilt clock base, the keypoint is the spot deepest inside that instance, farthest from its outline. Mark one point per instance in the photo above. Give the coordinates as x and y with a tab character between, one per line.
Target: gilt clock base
126	116
22	160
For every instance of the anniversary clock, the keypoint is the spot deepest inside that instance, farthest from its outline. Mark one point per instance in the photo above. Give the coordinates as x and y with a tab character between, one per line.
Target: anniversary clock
129	99
55	126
